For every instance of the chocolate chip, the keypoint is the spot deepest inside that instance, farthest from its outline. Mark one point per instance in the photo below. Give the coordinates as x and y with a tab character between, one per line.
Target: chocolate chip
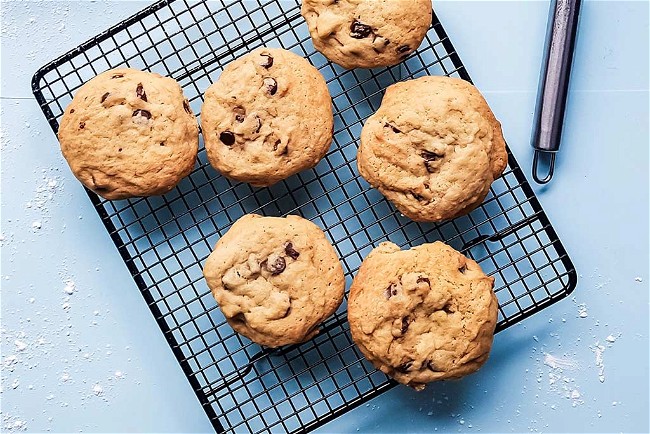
105	96
117	76
162	143
403	48
186	106
404	367
71	111
227	138
239	318
390	291
424	279
418	197
82	125
277	266
119	150
405	324
277	144
447	309
271	85
392	127
359	30
240	114
140	93
143	113
259	125
268	60
290	251
463	269
429	158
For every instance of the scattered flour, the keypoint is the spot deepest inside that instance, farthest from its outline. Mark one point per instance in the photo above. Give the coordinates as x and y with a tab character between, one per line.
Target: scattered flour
561	383
560	362
69	287
98	389
638	279
599	350
13	424
582	310
9	362
20	345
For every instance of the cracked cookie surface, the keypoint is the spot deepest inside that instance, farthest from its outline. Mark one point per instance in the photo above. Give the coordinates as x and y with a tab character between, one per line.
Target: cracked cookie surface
433	148
267	117
129	133
367	33
275	279
422	314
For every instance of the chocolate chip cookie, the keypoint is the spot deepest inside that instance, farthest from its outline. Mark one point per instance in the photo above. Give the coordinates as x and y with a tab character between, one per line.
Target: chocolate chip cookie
275	279
268	117
129	133
367	33
422	314
433	148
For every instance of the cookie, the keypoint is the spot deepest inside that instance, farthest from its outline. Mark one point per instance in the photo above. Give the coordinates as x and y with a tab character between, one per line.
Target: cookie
129	133
422	314
367	33
269	116
275	279
433	148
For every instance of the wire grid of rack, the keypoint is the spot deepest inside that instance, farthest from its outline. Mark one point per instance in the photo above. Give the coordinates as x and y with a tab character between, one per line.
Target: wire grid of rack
165	240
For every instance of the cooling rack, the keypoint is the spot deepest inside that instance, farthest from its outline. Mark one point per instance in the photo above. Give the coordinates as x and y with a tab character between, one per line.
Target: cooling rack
165	240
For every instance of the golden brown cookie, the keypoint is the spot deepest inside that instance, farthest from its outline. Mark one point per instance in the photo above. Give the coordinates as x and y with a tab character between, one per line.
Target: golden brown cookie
275	279
129	133
422	314
367	33
267	117
433	148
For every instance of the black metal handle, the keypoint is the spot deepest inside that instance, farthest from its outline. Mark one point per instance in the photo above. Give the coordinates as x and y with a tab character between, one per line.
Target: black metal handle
554	82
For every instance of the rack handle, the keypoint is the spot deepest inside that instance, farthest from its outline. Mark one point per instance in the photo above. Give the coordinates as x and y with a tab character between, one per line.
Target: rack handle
554	82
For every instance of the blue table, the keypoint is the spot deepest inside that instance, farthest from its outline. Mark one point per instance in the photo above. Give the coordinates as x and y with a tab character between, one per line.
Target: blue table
88	355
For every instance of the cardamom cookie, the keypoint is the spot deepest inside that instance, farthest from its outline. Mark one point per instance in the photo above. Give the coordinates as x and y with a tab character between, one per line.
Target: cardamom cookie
367	33
275	279
129	133
433	148
267	117
422	314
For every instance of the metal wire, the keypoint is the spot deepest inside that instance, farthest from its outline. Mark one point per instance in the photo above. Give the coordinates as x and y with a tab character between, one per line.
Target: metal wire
165	240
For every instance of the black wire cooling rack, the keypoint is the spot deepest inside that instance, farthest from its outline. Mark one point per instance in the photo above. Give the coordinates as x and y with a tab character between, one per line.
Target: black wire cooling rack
165	240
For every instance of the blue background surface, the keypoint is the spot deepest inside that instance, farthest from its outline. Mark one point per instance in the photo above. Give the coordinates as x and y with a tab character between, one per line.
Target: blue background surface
598	202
